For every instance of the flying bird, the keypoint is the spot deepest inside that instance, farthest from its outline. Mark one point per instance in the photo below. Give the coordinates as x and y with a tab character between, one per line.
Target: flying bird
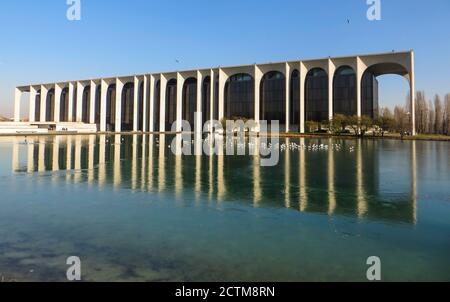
348	21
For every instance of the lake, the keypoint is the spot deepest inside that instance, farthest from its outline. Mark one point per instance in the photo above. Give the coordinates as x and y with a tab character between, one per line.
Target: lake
131	210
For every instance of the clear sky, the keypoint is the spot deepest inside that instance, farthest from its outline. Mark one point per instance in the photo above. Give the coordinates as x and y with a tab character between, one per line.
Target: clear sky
120	37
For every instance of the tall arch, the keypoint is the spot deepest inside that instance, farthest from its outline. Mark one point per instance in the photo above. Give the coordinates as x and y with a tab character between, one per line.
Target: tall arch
344	91
140	115
316	95
206	99
74	103
239	97
98	93
37	106
111	108
127	118
64	105
294	100
86	105
190	100
157	107
171	103
273	97
369	85
50	106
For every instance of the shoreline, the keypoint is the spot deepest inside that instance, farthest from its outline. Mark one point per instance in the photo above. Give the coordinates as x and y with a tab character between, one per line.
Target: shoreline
419	137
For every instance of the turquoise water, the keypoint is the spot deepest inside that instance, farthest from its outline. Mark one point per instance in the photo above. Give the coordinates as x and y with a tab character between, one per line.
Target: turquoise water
133	211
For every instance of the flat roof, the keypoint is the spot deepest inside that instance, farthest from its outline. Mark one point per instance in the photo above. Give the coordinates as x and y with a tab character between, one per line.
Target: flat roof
222	67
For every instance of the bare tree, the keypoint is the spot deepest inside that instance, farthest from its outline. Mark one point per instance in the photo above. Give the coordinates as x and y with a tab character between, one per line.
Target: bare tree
422	112
438	115
446	122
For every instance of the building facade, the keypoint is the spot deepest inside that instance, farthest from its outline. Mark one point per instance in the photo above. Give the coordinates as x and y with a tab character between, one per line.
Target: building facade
291	92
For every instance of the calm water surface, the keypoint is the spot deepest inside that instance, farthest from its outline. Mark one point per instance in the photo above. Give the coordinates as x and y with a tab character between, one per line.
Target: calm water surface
133	211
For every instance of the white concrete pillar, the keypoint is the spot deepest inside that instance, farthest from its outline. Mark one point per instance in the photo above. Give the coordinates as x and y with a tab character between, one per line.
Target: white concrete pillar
31	114
145	104
80	91
212	89
162	106
412	95
303	72
199	121
119	89
151	103
257	76
135	104
71	100
104	94
331	70
17	99
287	72
44	92
92	102
222	81
359	74
58	92
180	85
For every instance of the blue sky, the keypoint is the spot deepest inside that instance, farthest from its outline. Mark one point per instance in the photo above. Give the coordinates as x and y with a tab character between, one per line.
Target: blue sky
118	37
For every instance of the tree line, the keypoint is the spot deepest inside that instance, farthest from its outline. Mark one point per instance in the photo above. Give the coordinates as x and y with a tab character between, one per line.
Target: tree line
431	118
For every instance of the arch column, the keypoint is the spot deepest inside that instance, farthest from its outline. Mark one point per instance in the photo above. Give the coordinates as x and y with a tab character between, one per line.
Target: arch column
58	92
257	78
135	104
119	88
104	94
303	71
144	104
151	104
331	70
79	105
162	104
412	95
44	92
360	69
221	99
180	84
92	102
17	99
199	122
287	76
32	108
71	100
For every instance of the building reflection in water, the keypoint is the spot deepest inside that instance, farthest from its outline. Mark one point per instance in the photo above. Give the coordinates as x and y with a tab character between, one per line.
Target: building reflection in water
305	180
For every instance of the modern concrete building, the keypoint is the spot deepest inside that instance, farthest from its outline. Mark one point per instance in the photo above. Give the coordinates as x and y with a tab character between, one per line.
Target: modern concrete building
292	92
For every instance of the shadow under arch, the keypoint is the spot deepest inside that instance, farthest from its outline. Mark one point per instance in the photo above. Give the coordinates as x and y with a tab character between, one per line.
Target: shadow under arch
316	95
273	97
37	106
64	105
50	106
127	108
239	96
86	105
171	104
344	91
111	108
294	101
189	100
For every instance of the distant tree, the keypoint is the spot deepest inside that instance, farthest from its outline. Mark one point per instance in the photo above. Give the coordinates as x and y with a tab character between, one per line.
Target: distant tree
339	123
446	125
422	112
438	115
431	118
354	123
312	126
365	123
402	123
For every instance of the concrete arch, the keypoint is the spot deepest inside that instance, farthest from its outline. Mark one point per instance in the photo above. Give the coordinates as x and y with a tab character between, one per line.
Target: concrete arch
239	96
273	97
111	107
344	91
86	104
206	99
316	95
127	107
64	105
171	103
294	99
37	106
50	106
189	100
